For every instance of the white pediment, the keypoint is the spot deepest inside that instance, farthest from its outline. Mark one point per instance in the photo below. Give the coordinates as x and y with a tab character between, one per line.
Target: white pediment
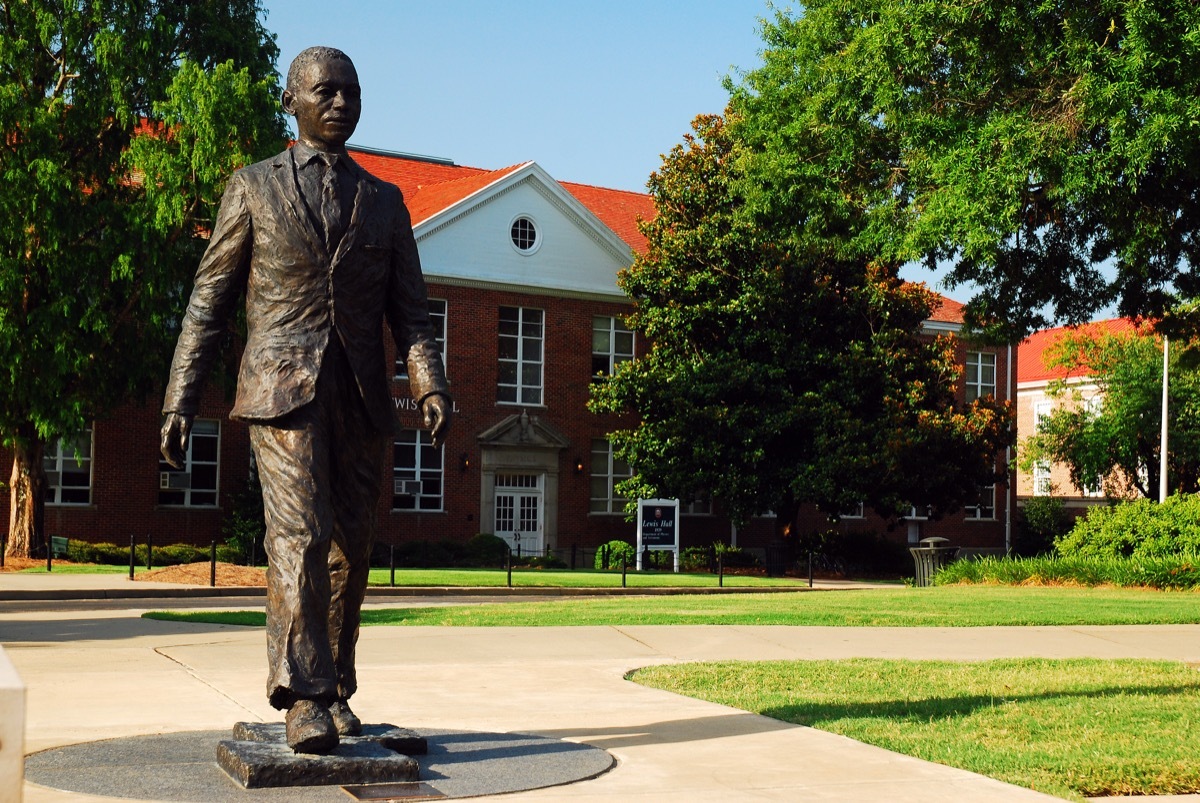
470	241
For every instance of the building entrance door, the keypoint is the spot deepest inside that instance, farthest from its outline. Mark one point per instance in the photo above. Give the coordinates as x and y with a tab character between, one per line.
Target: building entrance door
519	514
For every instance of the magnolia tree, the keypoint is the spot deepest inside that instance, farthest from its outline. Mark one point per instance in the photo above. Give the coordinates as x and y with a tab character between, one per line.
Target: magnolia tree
784	368
121	122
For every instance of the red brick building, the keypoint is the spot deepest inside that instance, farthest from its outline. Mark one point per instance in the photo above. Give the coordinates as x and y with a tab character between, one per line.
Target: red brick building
521	271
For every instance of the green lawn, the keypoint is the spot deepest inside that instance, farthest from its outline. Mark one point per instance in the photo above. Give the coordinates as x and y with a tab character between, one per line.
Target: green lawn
1071	728
82	568
957	606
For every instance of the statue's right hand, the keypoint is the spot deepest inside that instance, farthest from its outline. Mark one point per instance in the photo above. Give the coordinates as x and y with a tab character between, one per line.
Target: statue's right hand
175	433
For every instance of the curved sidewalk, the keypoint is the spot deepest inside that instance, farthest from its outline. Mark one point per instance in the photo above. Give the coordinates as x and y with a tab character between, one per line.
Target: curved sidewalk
94	674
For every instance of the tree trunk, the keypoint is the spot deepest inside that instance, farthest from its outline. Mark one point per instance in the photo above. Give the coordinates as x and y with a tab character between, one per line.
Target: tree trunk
26	533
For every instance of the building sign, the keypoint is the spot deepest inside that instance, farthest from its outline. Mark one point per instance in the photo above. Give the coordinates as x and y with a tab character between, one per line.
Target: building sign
658	527
408	403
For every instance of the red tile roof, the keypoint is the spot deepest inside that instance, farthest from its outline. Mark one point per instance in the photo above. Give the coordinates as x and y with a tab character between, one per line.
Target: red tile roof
619	209
1033	353
430	186
949	311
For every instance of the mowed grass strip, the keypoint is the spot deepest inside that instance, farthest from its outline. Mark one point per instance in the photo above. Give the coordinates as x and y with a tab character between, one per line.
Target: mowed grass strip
956	606
1072	728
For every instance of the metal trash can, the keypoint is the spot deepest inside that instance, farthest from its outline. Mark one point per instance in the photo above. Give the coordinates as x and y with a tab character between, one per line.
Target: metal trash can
932	555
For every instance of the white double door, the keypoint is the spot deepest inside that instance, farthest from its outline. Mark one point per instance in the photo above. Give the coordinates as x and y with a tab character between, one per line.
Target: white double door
520	512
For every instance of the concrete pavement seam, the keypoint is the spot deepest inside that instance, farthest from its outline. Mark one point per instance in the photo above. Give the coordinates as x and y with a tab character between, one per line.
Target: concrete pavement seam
195	676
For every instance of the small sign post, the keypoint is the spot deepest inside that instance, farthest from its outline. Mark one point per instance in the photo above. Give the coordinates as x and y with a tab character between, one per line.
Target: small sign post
658	528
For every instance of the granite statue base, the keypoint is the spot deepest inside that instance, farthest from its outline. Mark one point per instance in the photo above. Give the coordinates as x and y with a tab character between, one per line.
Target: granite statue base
257	757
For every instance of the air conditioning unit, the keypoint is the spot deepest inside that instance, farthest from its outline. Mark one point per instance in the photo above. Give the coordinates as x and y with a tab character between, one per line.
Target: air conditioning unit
174	480
407	487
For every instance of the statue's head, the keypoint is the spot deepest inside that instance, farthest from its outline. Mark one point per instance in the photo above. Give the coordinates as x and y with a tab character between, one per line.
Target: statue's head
324	96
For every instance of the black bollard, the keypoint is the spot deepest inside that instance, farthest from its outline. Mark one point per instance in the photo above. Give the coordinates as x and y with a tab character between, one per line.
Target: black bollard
132	554
212	564
720	570
624	566
508	565
392	562
49	553
149	553
810	585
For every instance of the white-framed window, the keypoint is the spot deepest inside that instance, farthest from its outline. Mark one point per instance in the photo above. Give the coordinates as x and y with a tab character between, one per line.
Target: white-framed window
197	483
1042	486
437	317
607	471
981	374
612	344
917	513
856	511
524	234
1041	411
418	471
985	506
68	465
696	507
522	332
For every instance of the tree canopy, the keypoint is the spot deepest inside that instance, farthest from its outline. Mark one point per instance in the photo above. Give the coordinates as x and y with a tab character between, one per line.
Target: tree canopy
784	366
121	121
1047	151
1109	437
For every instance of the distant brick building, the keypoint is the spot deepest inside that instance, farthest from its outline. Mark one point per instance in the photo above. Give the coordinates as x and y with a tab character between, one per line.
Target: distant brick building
521	271
1035	402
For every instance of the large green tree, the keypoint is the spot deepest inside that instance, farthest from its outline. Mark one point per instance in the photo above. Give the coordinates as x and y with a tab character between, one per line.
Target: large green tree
1047	151
1110	437
785	366
121	120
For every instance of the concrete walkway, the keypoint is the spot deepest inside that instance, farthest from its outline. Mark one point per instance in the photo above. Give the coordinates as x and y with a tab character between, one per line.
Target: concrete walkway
96	673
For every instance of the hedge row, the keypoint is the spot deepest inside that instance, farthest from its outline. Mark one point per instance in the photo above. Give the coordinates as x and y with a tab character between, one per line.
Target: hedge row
1174	572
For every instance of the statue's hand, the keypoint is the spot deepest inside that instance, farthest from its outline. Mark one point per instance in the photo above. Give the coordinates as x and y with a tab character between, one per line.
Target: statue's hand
437	417
175	432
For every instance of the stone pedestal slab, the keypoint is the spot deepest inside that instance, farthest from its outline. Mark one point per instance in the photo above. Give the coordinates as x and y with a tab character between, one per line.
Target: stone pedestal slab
258	757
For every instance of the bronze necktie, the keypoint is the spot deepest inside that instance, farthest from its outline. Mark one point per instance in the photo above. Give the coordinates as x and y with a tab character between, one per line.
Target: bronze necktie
331	205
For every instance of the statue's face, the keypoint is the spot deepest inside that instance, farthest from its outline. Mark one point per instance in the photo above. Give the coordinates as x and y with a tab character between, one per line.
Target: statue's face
326	102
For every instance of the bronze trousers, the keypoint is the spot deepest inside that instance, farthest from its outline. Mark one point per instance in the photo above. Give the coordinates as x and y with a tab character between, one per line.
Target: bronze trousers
320	468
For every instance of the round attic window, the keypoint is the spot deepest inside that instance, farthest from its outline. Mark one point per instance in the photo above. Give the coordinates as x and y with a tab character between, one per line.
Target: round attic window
524	234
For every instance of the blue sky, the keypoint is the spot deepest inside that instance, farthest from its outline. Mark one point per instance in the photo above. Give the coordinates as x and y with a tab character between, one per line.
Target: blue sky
593	92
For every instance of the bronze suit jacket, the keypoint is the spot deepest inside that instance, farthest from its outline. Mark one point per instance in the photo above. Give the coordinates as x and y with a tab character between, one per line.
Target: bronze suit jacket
298	295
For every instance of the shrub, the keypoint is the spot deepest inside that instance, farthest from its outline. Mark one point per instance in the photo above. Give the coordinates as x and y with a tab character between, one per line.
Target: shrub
609	555
1174	572
245	526
540	562
485	550
1042	520
103	553
175	554
430	554
1141	528
855	552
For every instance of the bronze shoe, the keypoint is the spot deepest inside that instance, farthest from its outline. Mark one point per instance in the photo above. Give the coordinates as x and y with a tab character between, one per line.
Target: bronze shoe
310	728
345	720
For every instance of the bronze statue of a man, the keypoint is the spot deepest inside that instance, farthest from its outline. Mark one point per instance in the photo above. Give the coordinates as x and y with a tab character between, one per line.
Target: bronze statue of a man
324	253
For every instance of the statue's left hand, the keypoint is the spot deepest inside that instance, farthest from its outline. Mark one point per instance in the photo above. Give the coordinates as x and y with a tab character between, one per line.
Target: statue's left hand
437	417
